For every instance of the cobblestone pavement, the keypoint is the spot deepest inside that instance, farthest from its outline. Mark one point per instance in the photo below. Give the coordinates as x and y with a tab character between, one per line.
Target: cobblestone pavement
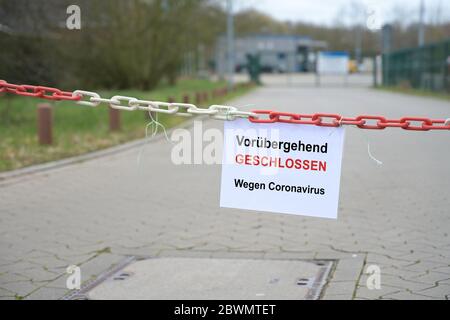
94	212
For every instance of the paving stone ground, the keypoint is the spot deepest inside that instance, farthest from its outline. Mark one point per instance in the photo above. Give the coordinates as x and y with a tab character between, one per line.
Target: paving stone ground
94	212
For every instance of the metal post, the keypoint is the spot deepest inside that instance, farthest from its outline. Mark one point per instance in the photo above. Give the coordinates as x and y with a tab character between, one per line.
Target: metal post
198	98
375	72
386	37
447	69
114	119
421	35
358	45
230	43
317	82
45	121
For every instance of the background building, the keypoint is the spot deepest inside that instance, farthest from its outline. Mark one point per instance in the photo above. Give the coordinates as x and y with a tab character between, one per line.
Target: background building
278	53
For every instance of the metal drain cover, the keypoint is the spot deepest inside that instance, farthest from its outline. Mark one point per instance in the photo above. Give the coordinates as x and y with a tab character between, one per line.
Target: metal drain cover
206	278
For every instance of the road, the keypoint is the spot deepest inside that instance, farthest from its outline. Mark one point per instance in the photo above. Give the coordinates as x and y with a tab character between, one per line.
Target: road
394	215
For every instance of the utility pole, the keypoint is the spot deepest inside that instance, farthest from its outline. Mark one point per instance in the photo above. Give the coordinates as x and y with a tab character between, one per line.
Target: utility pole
421	35
386	37
230	44
358	44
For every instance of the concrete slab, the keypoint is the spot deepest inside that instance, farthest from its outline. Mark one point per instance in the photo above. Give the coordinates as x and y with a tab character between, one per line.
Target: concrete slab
199	278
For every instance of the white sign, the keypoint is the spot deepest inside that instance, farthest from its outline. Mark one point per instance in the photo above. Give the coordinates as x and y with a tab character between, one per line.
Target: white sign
282	167
332	62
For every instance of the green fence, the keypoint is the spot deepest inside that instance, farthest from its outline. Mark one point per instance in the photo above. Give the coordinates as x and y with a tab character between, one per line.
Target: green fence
426	67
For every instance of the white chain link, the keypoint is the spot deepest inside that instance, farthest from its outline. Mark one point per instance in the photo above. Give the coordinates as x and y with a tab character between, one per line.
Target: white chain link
219	112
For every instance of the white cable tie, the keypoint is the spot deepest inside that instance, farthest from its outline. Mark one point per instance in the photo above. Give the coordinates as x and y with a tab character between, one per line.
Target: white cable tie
339	125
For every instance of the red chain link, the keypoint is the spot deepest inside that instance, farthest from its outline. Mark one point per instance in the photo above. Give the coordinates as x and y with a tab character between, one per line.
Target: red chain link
362	121
266	116
37	91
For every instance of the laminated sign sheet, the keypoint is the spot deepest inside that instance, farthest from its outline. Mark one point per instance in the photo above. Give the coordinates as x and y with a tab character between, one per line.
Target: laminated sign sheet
282	167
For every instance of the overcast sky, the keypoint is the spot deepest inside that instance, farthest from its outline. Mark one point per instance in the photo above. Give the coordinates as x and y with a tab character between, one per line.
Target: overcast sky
329	11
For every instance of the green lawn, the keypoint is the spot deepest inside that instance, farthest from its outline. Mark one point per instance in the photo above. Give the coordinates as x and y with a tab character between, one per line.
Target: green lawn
78	129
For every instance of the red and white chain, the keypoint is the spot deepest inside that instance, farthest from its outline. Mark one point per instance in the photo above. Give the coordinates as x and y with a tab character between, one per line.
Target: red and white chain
93	99
222	112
